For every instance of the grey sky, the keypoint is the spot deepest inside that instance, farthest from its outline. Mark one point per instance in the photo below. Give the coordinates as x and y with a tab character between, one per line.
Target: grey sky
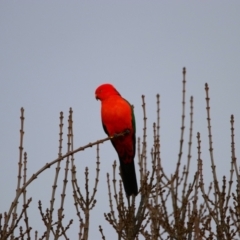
53	55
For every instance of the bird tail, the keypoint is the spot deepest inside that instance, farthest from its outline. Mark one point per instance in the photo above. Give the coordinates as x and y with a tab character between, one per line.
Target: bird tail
129	179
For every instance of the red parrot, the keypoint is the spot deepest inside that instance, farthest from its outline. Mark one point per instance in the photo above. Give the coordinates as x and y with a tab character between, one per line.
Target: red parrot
117	117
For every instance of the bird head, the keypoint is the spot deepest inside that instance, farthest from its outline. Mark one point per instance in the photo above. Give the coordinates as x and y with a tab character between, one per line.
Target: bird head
104	91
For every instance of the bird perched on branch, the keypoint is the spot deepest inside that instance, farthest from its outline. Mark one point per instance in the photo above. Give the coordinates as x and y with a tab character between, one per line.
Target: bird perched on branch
117	117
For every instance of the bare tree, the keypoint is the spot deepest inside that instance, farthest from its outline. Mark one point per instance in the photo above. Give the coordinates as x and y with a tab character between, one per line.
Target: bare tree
173	206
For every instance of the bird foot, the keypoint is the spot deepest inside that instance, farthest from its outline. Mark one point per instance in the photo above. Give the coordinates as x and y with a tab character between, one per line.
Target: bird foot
127	131
115	135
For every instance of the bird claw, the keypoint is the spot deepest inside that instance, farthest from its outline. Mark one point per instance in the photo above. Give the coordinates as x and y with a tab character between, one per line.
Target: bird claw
127	131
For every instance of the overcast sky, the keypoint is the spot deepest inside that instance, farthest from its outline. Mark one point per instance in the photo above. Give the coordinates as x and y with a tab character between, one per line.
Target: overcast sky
53	55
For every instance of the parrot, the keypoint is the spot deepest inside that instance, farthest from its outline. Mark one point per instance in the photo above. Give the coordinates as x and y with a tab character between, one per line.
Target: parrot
117	116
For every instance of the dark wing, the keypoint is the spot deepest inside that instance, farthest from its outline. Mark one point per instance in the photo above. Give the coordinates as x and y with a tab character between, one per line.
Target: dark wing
134	129
128	172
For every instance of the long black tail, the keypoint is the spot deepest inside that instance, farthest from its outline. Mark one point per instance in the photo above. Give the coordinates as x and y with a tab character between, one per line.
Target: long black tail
129	178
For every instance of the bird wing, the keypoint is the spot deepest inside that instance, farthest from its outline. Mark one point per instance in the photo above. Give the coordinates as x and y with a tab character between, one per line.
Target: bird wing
134	129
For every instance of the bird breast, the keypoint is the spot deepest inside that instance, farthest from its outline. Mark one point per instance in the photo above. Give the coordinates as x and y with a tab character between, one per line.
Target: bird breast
116	115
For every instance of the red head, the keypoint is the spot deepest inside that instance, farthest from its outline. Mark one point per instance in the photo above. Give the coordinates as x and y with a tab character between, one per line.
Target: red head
104	91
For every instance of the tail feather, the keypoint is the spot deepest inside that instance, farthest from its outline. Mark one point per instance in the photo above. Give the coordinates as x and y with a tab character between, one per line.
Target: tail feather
129	179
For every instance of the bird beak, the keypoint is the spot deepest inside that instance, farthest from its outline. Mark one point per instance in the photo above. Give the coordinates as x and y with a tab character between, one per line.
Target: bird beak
96	97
